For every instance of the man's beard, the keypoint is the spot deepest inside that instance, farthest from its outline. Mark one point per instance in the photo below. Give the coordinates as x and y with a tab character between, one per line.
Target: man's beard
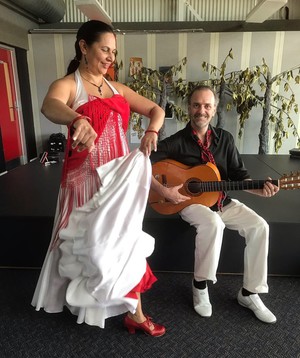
200	124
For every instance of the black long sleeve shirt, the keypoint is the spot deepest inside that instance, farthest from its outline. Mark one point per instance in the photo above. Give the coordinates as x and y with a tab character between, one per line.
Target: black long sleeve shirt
183	147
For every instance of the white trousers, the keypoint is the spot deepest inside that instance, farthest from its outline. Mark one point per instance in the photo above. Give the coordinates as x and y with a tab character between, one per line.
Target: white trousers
210	226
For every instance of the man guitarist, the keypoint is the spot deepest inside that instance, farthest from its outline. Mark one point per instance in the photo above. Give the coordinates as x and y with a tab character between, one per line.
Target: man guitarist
198	143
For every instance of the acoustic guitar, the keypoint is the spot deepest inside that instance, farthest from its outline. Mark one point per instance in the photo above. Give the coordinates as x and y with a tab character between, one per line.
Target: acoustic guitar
203	184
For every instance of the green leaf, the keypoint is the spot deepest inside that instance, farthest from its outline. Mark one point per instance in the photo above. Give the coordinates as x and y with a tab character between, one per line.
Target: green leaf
286	87
296	108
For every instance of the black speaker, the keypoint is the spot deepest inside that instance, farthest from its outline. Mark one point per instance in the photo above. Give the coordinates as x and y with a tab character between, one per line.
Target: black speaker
56	143
295	153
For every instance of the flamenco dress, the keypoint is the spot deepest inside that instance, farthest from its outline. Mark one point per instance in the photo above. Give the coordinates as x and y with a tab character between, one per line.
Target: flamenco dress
96	261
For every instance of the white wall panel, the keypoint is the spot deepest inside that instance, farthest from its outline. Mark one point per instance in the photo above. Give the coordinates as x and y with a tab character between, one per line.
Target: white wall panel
278	49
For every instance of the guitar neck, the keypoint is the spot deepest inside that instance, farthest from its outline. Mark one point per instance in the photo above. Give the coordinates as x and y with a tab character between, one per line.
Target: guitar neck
210	186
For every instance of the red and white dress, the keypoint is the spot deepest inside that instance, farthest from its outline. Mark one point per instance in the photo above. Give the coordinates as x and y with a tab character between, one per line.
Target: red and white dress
96	261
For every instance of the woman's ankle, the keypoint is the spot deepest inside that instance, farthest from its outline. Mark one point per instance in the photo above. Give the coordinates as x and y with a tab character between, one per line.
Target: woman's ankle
138	318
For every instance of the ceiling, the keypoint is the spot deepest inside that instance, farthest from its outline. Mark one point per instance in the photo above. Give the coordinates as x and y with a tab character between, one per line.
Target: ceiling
163	15
187	15
252	11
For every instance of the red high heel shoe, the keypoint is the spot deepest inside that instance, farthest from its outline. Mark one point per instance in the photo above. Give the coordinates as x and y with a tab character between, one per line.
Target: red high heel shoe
148	327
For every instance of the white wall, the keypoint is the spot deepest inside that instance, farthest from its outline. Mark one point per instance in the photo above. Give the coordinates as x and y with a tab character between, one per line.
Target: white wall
14	28
51	54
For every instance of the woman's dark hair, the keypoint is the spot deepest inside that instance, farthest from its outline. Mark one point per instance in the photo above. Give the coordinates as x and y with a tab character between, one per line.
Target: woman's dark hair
90	32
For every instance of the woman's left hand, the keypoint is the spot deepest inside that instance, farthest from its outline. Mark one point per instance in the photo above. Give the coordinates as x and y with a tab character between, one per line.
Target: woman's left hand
149	142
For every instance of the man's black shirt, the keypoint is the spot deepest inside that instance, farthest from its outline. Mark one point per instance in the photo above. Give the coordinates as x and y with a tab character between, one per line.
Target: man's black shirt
183	147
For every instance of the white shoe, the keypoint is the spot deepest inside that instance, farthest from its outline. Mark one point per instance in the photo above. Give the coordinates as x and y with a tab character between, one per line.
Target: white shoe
255	304
201	302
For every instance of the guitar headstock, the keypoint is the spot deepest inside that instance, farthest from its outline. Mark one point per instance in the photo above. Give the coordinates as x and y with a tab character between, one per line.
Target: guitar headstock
290	181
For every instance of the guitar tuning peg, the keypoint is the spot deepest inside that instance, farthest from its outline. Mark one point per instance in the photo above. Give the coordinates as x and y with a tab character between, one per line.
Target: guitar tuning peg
296	175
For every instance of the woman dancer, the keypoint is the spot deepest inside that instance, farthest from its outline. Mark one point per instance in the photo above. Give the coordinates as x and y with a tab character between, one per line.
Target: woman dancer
96	112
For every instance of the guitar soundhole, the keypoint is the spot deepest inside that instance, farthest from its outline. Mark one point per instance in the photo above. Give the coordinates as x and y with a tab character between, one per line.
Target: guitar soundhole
193	186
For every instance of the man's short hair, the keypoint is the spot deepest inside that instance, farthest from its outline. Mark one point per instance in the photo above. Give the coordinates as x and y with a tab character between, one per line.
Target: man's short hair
202	88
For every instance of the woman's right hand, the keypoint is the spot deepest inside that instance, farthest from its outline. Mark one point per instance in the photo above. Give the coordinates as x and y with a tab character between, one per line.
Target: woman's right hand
84	135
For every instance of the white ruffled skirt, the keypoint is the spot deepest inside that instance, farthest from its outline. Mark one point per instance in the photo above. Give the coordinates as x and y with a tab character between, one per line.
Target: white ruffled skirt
103	252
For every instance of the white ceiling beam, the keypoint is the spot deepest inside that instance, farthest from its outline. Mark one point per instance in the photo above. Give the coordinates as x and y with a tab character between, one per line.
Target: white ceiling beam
264	9
193	11
93	10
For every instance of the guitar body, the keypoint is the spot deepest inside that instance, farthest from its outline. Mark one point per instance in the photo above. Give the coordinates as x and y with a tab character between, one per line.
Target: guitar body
171	173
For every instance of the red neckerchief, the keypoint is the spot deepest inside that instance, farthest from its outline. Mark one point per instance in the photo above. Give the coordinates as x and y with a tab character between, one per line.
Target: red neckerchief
207	156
